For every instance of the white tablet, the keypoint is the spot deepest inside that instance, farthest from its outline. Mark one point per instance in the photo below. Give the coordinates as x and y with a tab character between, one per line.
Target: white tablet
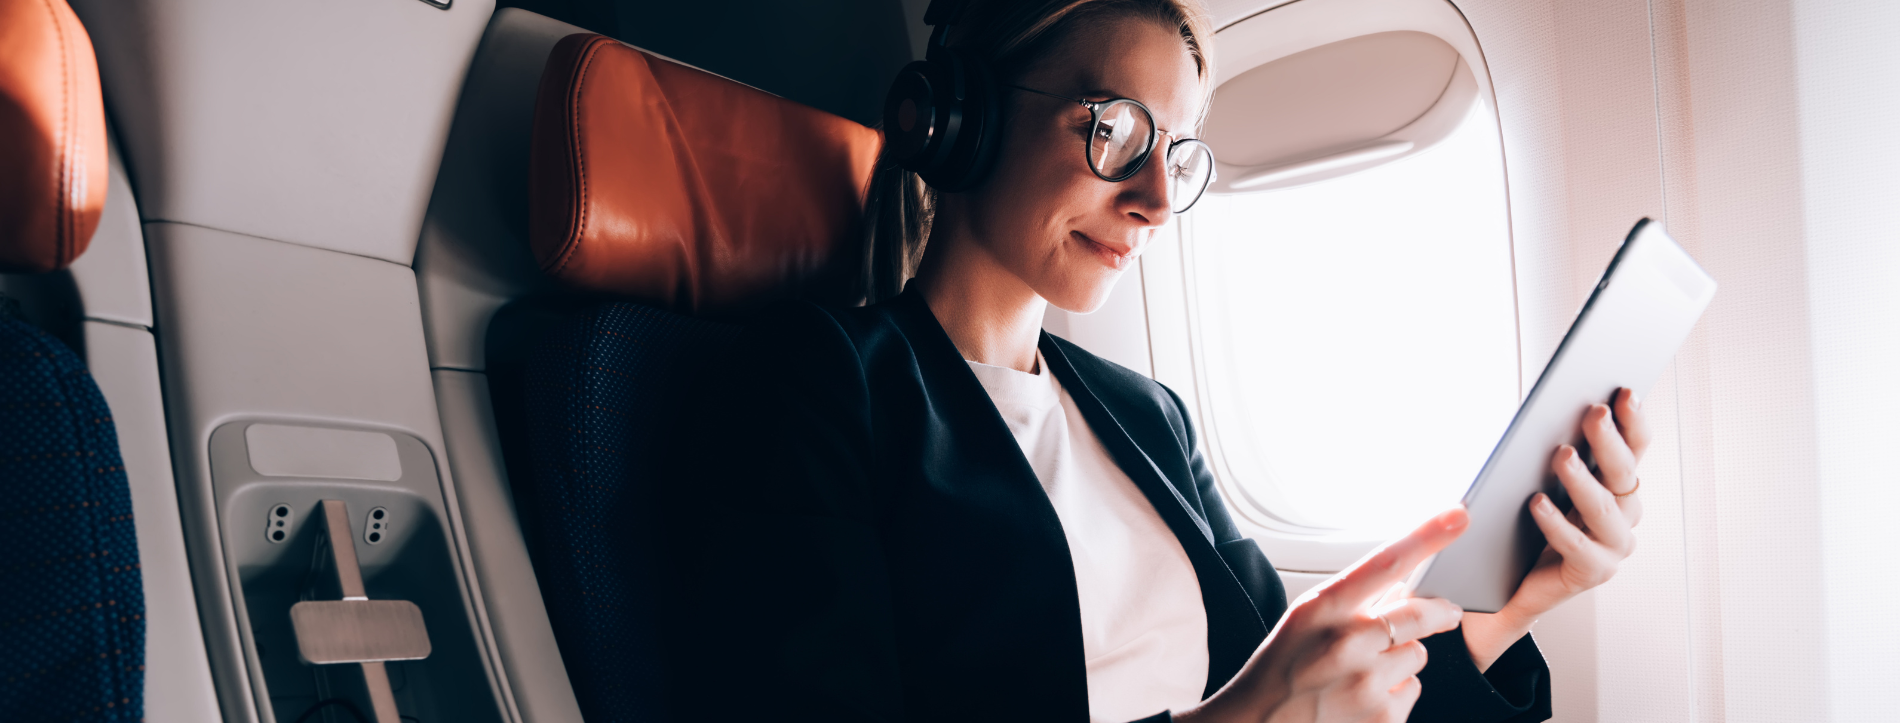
1642	309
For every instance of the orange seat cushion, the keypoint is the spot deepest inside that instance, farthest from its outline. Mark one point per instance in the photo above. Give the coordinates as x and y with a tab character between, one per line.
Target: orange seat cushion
658	181
52	136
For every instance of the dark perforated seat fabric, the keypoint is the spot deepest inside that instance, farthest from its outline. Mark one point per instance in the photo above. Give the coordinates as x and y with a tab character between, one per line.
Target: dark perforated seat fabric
603	390
72	612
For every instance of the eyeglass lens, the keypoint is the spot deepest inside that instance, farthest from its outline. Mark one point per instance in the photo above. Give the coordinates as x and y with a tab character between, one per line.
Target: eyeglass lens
1190	169
1124	137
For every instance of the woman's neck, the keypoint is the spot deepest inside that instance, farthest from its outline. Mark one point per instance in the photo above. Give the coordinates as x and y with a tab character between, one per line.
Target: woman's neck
990	314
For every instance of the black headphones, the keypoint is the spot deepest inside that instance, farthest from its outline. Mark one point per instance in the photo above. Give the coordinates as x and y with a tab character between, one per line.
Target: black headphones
940	118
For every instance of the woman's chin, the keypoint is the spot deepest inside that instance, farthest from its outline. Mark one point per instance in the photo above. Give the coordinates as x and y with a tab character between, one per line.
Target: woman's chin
1084	296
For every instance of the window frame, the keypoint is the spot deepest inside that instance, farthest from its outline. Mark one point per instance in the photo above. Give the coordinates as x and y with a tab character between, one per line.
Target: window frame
1174	320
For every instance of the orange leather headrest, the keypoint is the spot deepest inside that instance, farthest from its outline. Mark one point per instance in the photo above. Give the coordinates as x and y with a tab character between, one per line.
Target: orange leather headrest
659	181
52	136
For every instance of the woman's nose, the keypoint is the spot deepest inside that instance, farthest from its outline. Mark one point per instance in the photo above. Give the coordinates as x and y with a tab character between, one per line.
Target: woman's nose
1144	196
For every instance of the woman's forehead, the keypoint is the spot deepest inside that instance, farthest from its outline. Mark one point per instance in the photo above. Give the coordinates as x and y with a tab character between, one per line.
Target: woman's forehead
1126	58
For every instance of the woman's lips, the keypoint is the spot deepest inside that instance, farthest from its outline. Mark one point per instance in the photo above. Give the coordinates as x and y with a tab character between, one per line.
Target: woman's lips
1114	256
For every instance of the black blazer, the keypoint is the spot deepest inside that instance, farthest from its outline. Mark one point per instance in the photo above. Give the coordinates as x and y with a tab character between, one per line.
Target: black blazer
876	547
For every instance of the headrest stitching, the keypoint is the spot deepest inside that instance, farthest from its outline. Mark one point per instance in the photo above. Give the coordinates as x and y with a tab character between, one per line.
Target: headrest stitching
579	211
63	220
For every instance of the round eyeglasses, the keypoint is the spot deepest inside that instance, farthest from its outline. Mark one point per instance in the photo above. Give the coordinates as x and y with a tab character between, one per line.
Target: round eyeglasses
1122	135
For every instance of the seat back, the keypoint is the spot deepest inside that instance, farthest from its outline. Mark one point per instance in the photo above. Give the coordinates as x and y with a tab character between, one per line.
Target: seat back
72	627
601	389
686	196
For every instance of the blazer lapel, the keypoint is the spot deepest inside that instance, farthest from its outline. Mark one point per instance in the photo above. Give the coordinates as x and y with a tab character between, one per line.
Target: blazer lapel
975	463
1234	626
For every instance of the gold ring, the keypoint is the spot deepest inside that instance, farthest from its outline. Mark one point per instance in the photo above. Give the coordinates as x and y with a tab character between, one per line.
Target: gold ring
1639	485
1391	636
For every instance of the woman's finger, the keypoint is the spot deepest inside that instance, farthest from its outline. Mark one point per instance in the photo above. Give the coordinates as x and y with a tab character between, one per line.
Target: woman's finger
1615	461
1585	563
1415	618
1629	416
1352	591
1403	698
1632	506
1567	539
1395	665
1595	505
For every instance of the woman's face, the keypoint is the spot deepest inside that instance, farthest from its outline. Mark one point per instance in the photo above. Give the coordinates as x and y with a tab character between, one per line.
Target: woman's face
1042	214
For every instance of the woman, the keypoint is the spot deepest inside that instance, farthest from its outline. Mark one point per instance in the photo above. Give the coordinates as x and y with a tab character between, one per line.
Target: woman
938	512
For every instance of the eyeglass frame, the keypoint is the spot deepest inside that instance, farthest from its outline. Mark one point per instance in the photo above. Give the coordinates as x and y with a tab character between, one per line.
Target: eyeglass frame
1095	118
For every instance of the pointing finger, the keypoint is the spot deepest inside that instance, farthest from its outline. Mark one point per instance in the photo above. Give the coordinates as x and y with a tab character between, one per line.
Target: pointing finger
1357	587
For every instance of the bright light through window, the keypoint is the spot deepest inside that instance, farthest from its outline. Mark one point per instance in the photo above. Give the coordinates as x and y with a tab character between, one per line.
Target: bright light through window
1360	335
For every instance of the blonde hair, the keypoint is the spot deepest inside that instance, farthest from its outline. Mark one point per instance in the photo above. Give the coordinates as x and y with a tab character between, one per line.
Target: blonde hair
1009	35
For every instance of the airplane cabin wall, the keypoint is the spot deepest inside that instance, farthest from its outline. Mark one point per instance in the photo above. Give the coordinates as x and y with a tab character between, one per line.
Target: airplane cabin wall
1779	150
283	155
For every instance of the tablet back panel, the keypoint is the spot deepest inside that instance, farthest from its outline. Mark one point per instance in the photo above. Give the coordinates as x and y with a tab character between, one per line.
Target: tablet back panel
1641	311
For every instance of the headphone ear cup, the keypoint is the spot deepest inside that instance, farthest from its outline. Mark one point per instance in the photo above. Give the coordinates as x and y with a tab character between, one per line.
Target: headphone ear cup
973	148
941	120
915	117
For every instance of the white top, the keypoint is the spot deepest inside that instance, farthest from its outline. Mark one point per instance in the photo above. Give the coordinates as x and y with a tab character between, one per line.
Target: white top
1144	632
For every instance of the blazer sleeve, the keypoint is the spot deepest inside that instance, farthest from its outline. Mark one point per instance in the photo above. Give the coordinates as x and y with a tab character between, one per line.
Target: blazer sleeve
782	579
1516	688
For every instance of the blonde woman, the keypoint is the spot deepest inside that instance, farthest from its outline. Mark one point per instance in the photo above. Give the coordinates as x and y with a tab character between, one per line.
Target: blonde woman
932	510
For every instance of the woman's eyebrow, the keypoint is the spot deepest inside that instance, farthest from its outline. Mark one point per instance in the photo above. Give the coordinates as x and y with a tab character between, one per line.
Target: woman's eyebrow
1103	93
1106	94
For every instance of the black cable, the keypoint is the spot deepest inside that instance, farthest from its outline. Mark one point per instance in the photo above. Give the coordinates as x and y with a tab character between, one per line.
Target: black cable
351	708
410	717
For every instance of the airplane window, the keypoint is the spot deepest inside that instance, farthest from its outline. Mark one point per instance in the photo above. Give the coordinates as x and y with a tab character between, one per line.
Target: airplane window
1360	335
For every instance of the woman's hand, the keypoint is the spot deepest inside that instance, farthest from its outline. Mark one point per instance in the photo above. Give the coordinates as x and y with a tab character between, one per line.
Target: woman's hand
1586	544
1334	657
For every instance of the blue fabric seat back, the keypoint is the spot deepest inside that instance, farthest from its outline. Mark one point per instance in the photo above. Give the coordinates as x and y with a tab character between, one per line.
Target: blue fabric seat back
603	389
72	608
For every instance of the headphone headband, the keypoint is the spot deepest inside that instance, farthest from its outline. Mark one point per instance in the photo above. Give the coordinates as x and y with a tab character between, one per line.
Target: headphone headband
940	117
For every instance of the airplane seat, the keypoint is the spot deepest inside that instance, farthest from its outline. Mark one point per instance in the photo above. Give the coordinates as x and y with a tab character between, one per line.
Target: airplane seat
72	628
695	199
601	217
